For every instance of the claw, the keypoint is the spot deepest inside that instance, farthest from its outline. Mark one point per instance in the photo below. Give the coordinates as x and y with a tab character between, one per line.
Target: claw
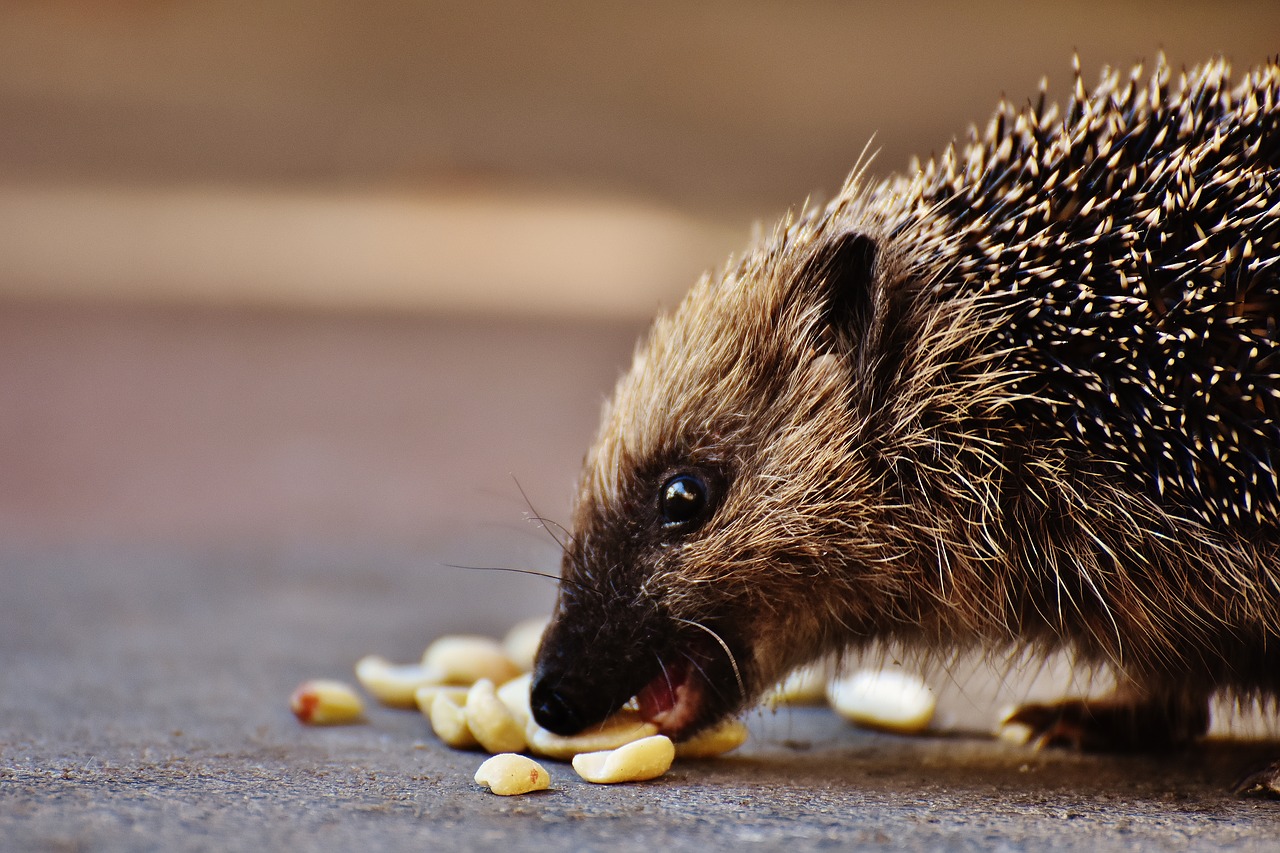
1262	784
1068	724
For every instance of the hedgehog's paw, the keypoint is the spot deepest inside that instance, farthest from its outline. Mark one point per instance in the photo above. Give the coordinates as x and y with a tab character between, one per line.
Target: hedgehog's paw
1112	724
1264	784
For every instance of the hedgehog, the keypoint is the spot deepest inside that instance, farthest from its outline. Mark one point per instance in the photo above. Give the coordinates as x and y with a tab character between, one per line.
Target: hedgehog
1024	398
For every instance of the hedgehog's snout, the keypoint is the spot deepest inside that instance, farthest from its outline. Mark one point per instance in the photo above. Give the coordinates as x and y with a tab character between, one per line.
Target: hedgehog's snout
553	710
555	704
565	704
575	684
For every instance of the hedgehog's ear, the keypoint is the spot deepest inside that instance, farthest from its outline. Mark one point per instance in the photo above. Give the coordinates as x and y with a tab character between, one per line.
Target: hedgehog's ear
842	272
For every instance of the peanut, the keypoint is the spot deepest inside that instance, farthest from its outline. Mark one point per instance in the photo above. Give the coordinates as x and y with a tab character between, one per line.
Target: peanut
509	774
515	695
426	694
804	686
725	737
394	684
620	729
465	659
449	722
647	758
325	702
492	724
887	699
522	641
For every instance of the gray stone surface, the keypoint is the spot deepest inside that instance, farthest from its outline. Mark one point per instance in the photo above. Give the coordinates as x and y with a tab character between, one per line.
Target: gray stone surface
143	706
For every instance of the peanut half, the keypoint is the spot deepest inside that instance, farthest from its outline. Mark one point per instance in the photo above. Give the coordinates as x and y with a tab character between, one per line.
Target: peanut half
426	694
888	699
449	722
522	641
325	702
725	737
492	723
804	686
465	659
515	695
394	684
509	774
622	728
647	758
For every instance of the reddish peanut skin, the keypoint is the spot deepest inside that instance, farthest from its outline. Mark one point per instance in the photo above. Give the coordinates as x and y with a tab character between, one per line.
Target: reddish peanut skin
304	704
321	702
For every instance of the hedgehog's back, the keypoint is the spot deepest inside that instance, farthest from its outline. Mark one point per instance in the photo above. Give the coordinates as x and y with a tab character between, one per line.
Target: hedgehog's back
1133	248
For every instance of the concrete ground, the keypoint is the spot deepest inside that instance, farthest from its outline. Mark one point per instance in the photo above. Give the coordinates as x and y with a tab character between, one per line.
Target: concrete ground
201	509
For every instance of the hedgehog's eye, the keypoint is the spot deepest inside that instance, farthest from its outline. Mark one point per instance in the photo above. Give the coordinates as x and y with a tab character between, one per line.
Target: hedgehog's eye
684	501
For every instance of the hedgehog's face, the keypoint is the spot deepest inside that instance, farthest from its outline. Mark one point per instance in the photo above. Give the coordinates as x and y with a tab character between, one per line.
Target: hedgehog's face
700	567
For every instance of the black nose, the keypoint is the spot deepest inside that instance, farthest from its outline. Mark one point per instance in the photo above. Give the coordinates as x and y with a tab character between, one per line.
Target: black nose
553	711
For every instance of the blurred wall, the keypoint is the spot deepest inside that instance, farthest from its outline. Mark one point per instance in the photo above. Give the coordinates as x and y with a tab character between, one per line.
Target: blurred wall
579	158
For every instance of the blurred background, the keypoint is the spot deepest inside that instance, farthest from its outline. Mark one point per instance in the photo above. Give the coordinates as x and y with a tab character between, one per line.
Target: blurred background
280	270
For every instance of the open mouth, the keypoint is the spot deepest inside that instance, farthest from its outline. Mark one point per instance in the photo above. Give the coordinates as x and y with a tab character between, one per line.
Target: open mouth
680	685
675	700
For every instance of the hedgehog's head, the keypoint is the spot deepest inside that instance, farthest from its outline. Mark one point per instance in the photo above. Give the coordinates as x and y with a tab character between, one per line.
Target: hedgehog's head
704	559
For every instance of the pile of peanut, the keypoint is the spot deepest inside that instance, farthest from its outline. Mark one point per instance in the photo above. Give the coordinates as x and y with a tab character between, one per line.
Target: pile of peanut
475	692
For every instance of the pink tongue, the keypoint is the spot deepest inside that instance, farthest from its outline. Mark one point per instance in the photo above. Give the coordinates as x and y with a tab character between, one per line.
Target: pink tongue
660	696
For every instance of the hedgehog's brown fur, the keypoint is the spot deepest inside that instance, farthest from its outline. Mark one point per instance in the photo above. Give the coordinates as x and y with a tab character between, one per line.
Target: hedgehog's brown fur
1047	418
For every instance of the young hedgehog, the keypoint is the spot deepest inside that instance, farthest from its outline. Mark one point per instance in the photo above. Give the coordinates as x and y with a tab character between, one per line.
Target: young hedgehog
1026	398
